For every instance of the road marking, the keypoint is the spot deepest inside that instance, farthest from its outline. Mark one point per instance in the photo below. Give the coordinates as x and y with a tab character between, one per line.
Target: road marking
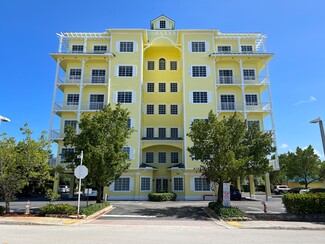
234	223
128	216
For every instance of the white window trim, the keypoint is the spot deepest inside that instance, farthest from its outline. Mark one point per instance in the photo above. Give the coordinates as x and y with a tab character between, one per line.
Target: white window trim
66	99
209	96
258	100
177	85
253	120
177	63
153	65
208	71
68	73
152	158
145	132
154	86
150	186
134	71
131	155
88	105
153	109
100	45
133	96
135	46
131	188
132	122
241	45
249	69
170	108
192	119
193	185
174	184
165	110
207	46
165	158
224	45
162	82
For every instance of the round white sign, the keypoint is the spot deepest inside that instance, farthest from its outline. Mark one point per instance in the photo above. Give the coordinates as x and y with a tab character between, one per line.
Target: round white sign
81	172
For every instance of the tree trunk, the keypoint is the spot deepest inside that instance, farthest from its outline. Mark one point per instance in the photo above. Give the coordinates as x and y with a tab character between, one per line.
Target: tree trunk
99	194
220	192
7	207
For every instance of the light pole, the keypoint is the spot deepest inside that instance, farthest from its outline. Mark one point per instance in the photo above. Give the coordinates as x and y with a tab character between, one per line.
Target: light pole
318	120
3	119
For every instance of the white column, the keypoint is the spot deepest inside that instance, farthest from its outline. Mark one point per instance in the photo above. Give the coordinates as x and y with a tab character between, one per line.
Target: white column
184	103
215	85
139	96
83	61
239	45
243	88
60	44
85	45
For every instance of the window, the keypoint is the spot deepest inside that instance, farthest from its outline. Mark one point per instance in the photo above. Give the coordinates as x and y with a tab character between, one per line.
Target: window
173	65
73	99
77	48
162	87
162	64
200	97
246	49
225	76
173	109
149	157
251	122
249	74
65	152
224	49
100	48
126	47
98	76
150	87
198	47
162	157
122	184
96	102
173	87
201	184
150	133
145	183
127	150
150	109
162	109
124	97
75	74
129	123
162	133
162	24
151	65
72	123
178	184
227	102
251	99
174	157
125	71
174	133
199	71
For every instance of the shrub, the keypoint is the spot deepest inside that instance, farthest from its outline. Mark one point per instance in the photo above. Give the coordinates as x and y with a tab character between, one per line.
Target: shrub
160	197
65	209
94	208
304	203
225	212
2	210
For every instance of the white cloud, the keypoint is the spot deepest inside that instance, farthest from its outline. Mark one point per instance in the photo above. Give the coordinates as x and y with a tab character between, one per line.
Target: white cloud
316	152
284	146
310	100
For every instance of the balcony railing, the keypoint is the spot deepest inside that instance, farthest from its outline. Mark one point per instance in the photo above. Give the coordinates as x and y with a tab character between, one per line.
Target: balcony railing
59	106
76	79
250	107
85	52
55	134
162	138
237	80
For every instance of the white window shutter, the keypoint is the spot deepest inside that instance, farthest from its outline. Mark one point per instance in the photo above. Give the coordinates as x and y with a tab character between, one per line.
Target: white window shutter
135	46
131	156
192	184
131	184
209	97
191	97
179	86
133	97
115	97
116	70
190	46
208	71
134	70
190	71
111	187
118	46
132	123
207	46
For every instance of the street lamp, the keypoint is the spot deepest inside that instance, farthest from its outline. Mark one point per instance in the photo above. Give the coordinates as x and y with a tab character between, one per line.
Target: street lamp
318	120
3	119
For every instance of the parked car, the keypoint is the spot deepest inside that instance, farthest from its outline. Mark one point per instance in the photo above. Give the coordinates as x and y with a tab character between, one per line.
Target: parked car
281	189
63	189
235	193
297	190
316	190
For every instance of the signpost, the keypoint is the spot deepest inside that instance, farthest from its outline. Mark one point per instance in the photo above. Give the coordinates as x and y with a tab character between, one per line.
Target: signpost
226	194
80	173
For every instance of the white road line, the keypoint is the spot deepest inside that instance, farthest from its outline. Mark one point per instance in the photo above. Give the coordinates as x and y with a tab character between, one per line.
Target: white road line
128	216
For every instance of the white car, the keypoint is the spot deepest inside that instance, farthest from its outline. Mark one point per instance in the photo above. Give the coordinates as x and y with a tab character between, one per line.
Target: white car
63	189
281	189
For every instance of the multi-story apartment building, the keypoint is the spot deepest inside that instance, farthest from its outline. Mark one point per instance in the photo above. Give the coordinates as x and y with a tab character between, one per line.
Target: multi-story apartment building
166	78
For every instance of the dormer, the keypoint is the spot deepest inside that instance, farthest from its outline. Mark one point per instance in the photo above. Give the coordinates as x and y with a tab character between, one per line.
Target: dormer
162	23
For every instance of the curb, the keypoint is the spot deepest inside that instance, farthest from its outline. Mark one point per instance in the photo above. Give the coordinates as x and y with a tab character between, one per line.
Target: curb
96	215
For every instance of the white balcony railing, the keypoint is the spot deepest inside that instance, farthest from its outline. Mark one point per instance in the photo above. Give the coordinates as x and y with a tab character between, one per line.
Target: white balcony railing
54	134
59	106
250	107
237	80
76	79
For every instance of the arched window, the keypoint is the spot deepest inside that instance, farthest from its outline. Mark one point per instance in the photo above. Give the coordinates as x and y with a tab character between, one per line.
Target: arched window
162	64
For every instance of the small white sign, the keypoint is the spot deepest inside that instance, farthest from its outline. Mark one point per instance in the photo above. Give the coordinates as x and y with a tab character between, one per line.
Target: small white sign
226	194
81	172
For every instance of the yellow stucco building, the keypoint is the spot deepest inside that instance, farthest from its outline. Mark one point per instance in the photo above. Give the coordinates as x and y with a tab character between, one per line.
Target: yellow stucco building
166	78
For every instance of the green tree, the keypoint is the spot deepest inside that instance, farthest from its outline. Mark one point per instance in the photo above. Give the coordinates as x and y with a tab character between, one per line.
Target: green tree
102	139
22	163
227	149
303	166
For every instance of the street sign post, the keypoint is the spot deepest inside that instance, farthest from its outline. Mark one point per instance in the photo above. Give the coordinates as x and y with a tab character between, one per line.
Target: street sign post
80	172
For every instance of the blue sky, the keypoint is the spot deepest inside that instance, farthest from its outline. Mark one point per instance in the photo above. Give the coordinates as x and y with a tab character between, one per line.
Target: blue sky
295	30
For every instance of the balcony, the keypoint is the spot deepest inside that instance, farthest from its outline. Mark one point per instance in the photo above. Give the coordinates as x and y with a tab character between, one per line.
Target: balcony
73	106
232	107
237	80
87	80
55	135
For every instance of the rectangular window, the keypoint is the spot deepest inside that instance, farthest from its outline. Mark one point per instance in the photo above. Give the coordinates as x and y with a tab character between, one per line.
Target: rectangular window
150	109
129	123
251	99
96	102
162	109
122	184
125	71
65	152
246	49
173	65
200	97
100	49
162	133
72	123
150	133
145	183
174	157
98	76
251	122
162	157
173	109
173	87
174	133
224	49
178	184
227	102
150	87
201	184
75	74
249	74
77	48
149	157
162	87
124	97
198	47
126	47
162	24
151	65
226	76
73	99
127	150
199	71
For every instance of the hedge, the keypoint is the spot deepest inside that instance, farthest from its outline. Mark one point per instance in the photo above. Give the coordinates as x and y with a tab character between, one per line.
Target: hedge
225	212
94	208
160	197
304	203
2	210
65	209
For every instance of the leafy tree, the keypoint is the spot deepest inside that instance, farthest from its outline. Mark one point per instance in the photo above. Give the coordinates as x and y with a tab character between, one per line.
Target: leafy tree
22	163
101	139
303	166
227	149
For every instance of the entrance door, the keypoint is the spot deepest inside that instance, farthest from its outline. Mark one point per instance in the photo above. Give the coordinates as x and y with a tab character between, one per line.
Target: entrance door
161	185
